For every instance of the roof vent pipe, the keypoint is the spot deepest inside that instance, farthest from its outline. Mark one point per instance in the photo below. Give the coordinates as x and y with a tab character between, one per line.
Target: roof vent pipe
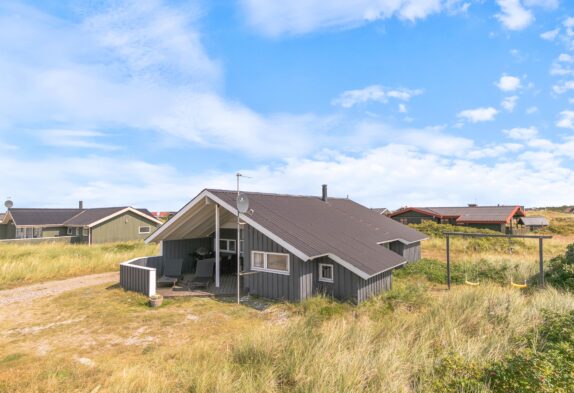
324	193
80	204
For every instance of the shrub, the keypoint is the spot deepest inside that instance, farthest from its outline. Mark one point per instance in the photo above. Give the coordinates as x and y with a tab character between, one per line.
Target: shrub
561	270
435	271
543	364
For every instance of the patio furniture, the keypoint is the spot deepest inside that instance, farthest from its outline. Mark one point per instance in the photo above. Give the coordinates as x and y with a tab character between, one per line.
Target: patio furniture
171	271
203	273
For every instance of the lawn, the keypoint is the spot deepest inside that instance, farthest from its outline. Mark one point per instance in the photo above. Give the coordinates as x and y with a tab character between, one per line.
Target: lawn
22	264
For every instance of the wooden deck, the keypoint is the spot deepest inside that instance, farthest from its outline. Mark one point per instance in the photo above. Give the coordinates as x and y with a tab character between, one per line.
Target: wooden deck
227	287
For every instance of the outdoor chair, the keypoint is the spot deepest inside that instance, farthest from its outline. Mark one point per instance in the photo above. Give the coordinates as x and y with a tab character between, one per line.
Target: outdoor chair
171	271
203	273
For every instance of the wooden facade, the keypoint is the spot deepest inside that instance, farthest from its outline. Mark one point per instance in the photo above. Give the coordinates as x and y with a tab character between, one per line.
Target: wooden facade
302	281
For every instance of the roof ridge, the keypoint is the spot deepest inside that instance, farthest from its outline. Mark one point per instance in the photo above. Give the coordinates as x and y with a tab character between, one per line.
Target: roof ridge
273	194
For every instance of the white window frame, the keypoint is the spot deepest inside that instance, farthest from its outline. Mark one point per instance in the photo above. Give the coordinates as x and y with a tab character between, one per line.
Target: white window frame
326	279
69	232
144	226
265	268
227	249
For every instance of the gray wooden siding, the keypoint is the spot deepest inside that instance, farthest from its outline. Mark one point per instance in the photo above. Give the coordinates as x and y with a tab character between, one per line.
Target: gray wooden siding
182	249
374	286
273	285
345	283
414	217
7	231
412	252
138	275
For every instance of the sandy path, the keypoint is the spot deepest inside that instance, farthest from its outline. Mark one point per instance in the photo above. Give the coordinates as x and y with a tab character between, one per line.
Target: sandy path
52	288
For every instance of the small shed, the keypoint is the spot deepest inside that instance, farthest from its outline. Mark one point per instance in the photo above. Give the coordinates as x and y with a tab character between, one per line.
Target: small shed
533	223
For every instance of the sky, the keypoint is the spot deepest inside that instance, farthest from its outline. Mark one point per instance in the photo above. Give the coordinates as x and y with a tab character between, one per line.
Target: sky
390	102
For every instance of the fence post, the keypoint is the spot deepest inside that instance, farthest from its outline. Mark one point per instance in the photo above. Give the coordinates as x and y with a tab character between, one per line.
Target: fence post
448	261
541	251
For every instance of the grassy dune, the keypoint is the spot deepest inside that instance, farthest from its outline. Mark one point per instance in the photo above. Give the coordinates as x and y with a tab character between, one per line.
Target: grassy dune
417	337
392	343
27	264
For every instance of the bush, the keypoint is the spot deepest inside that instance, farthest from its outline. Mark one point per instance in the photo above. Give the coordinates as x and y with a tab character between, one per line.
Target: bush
561	270
435	271
543	364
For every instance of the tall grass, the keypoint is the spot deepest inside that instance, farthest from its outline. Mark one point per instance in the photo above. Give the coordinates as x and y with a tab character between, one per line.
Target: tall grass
384	345
22	264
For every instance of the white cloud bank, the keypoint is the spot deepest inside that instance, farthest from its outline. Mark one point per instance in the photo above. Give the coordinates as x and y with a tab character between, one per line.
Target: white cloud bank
274	18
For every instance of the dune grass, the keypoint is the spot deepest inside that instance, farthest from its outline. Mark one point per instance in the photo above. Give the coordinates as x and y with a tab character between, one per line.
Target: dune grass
22	264
392	343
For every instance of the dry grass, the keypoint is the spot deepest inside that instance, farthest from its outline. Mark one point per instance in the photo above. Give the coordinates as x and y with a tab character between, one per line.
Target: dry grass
22	264
107	340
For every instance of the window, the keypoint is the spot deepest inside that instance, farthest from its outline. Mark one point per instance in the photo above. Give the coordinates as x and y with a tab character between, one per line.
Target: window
38	232
227	245
86	232
270	262
326	272
72	231
404	221
144	229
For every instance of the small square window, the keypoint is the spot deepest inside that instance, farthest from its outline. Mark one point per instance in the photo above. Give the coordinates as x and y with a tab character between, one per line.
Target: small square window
326	272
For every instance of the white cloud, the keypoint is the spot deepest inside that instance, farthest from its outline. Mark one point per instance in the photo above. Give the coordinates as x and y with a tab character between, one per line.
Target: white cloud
508	83
513	15
566	120
532	109
402	108
563	87
374	93
521	133
509	103
275	18
96	180
550	35
478	115
74	139
566	58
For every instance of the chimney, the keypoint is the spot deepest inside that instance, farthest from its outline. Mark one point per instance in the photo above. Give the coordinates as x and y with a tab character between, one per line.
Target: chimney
472	205
80	204
324	194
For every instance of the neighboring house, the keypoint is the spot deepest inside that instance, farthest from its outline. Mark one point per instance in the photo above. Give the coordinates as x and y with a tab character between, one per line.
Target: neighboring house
533	223
163	215
496	218
381	210
98	225
294	247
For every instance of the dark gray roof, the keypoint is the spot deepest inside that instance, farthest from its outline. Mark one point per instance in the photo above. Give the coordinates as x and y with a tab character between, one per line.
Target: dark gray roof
339	226
470	214
40	217
534	221
65	217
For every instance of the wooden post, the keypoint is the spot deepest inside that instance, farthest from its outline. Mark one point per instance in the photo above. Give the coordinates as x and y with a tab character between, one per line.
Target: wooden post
541	251
217	245
448	261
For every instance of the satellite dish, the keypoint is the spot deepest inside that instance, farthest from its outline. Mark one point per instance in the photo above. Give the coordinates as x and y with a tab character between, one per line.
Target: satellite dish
242	203
8	204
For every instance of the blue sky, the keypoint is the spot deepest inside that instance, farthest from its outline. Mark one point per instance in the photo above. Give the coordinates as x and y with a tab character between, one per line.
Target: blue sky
392	102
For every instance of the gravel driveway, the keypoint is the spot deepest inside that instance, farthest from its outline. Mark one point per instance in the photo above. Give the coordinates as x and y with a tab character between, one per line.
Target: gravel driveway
52	288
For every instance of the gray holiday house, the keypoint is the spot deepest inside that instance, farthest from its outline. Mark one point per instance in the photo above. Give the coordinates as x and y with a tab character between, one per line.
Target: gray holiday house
292	247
